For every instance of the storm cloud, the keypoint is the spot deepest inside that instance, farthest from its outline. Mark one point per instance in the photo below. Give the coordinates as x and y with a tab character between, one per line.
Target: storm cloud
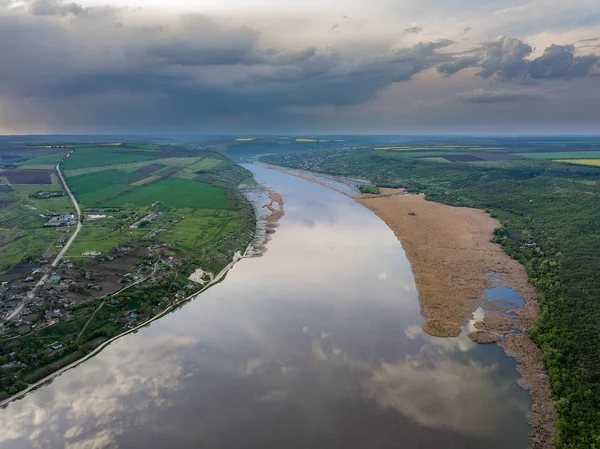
506	59
67	66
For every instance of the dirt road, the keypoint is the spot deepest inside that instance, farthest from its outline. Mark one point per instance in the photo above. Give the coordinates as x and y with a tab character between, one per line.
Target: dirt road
58	258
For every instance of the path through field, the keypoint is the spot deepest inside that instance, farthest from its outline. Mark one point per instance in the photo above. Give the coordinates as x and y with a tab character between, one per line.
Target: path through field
58	258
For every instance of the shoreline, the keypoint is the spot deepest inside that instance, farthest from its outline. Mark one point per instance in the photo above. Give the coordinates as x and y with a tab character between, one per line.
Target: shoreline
465	234
173	306
451	256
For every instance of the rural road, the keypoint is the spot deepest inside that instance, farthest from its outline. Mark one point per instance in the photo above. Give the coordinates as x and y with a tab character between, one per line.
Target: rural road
46	274
79	225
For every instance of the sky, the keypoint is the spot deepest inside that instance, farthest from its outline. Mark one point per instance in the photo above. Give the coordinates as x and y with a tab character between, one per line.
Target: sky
300	67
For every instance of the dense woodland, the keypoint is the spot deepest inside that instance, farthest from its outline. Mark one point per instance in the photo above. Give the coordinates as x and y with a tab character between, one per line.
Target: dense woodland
550	214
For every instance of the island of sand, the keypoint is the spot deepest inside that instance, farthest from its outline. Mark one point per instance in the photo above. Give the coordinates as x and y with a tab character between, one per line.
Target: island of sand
452	257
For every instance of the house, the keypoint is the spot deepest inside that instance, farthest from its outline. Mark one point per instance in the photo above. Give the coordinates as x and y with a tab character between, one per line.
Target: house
56	345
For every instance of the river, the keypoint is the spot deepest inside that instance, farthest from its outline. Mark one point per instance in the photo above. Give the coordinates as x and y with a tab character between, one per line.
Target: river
317	343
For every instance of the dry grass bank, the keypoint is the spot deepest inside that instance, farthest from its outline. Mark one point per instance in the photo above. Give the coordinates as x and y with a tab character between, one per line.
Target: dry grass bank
451	255
451	252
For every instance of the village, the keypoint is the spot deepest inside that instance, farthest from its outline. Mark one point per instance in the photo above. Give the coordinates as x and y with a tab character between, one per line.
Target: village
71	289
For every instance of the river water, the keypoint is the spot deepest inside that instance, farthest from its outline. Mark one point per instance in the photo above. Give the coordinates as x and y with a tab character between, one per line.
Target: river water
317	343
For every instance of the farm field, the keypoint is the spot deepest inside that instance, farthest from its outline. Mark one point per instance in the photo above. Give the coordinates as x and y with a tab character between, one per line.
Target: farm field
439	148
100	156
46	160
83	184
174	192
127	178
562	155
151	213
28	176
593	162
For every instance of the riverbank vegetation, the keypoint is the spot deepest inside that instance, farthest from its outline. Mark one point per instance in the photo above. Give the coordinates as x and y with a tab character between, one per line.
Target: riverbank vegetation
551	224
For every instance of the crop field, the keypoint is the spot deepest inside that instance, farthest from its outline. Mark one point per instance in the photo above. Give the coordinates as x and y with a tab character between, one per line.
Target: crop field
100	156
149	169
94	187
420	153
174	192
438	148
562	155
185	162
48	159
593	162
28	176
99	195
82	184
436	159
462	158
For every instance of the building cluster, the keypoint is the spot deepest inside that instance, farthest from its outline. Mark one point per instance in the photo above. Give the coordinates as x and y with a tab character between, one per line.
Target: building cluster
54	220
147	219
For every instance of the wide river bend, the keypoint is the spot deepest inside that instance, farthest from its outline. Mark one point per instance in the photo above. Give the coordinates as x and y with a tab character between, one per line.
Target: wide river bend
316	344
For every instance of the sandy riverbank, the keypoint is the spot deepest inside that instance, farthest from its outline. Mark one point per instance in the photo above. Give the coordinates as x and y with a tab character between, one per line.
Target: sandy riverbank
451	252
451	255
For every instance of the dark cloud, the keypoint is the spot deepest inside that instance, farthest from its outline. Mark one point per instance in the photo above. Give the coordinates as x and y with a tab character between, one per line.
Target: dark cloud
560	62
75	68
413	30
55	8
507	59
60	8
458	64
83	71
499	97
592	39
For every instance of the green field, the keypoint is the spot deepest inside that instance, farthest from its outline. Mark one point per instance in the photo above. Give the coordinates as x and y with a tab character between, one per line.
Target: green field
83	184
94	187
17	245
174	192
61	204
100	156
48	159
103	236
201	227
97	196
22	232
562	155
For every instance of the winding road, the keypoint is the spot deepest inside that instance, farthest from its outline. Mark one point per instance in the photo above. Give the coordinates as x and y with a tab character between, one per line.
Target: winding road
58	258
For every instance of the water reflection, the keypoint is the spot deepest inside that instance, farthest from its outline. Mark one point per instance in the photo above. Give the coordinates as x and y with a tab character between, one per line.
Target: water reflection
316	344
